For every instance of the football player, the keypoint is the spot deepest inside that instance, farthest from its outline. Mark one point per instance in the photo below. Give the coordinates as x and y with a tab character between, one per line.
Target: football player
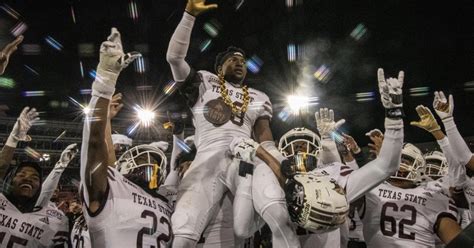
400	214
223	108
21	223
444	108
121	205
355	183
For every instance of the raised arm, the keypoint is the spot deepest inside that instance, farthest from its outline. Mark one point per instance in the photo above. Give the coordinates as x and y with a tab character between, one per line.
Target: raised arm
94	151
51	182
7	51
327	128
179	43
444	108
456	171
114	107
388	161
19	133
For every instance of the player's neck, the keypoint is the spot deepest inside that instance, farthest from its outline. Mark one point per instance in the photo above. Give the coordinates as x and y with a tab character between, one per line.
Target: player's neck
21	203
401	183
234	81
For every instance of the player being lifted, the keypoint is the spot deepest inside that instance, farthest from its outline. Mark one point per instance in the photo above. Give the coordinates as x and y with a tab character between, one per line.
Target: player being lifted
122	208
23	224
304	177
223	107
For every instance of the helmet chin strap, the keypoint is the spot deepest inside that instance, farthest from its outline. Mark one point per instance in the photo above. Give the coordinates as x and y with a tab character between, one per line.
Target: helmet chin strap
153	184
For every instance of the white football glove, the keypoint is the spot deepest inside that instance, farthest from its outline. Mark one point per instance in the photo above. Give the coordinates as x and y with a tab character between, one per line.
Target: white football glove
325	122
24	122
443	107
67	155
390	90
244	149
112	61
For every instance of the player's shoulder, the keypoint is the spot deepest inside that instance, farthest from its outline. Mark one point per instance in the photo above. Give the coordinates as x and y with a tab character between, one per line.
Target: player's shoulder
208	77
436	199
258	94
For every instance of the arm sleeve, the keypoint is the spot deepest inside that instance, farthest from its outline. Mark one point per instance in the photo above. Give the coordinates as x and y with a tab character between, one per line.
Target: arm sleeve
178	48
458	145
456	170
329	153
173	177
373	173
270	147
353	164
49	185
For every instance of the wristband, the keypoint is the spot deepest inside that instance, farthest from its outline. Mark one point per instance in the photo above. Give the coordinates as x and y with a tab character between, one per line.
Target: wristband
394	113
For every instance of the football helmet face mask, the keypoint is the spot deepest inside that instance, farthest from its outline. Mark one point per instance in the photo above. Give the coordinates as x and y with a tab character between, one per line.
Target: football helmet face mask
412	164
436	165
301	146
144	165
316	202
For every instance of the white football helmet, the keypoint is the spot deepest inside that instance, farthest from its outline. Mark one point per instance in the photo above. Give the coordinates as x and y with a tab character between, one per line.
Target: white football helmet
412	164
316	202
436	165
144	165
301	146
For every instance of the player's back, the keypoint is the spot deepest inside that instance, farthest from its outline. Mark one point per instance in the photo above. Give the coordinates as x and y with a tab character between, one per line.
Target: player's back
397	217
131	217
211	136
47	227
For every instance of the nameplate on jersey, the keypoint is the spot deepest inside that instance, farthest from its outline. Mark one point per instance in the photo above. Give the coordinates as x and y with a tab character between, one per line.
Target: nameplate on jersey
217	112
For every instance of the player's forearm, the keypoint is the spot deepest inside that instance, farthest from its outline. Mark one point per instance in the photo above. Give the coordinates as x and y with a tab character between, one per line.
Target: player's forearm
456	171
458	144
373	173
272	162
6	157
110	145
329	153
178	48
173	177
49	185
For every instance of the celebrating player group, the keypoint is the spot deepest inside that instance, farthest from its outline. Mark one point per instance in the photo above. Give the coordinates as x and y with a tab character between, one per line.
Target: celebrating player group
310	188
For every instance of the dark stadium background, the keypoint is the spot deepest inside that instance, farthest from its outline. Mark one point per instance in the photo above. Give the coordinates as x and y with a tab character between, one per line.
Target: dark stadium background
432	41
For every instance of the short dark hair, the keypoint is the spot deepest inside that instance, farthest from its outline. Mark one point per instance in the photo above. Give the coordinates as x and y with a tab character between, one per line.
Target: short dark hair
222	56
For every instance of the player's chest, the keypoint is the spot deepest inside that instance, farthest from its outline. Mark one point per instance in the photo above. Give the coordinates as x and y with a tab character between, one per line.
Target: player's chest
31	230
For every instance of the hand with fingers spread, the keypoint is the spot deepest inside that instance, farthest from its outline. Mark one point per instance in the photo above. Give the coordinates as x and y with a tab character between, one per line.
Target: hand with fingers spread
443	107
427	120
115	105
67	155
351	144
7	51
325	122
24	122
197	7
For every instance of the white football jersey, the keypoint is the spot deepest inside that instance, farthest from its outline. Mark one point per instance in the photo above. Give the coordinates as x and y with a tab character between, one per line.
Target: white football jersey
80	234
397	217
131	217
357	209
47	227
469	191
207	135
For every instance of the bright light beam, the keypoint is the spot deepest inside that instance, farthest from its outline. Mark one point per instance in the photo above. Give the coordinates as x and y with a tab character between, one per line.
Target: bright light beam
145	116
298	103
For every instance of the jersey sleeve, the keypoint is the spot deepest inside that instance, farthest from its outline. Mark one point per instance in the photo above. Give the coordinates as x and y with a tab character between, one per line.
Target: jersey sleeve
265	109
446	210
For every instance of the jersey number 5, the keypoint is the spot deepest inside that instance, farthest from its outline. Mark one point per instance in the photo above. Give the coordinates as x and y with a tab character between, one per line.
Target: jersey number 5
14	240
152	230
392	228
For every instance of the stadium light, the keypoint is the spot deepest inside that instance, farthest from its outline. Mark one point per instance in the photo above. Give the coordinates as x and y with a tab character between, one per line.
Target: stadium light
145	116
298	103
